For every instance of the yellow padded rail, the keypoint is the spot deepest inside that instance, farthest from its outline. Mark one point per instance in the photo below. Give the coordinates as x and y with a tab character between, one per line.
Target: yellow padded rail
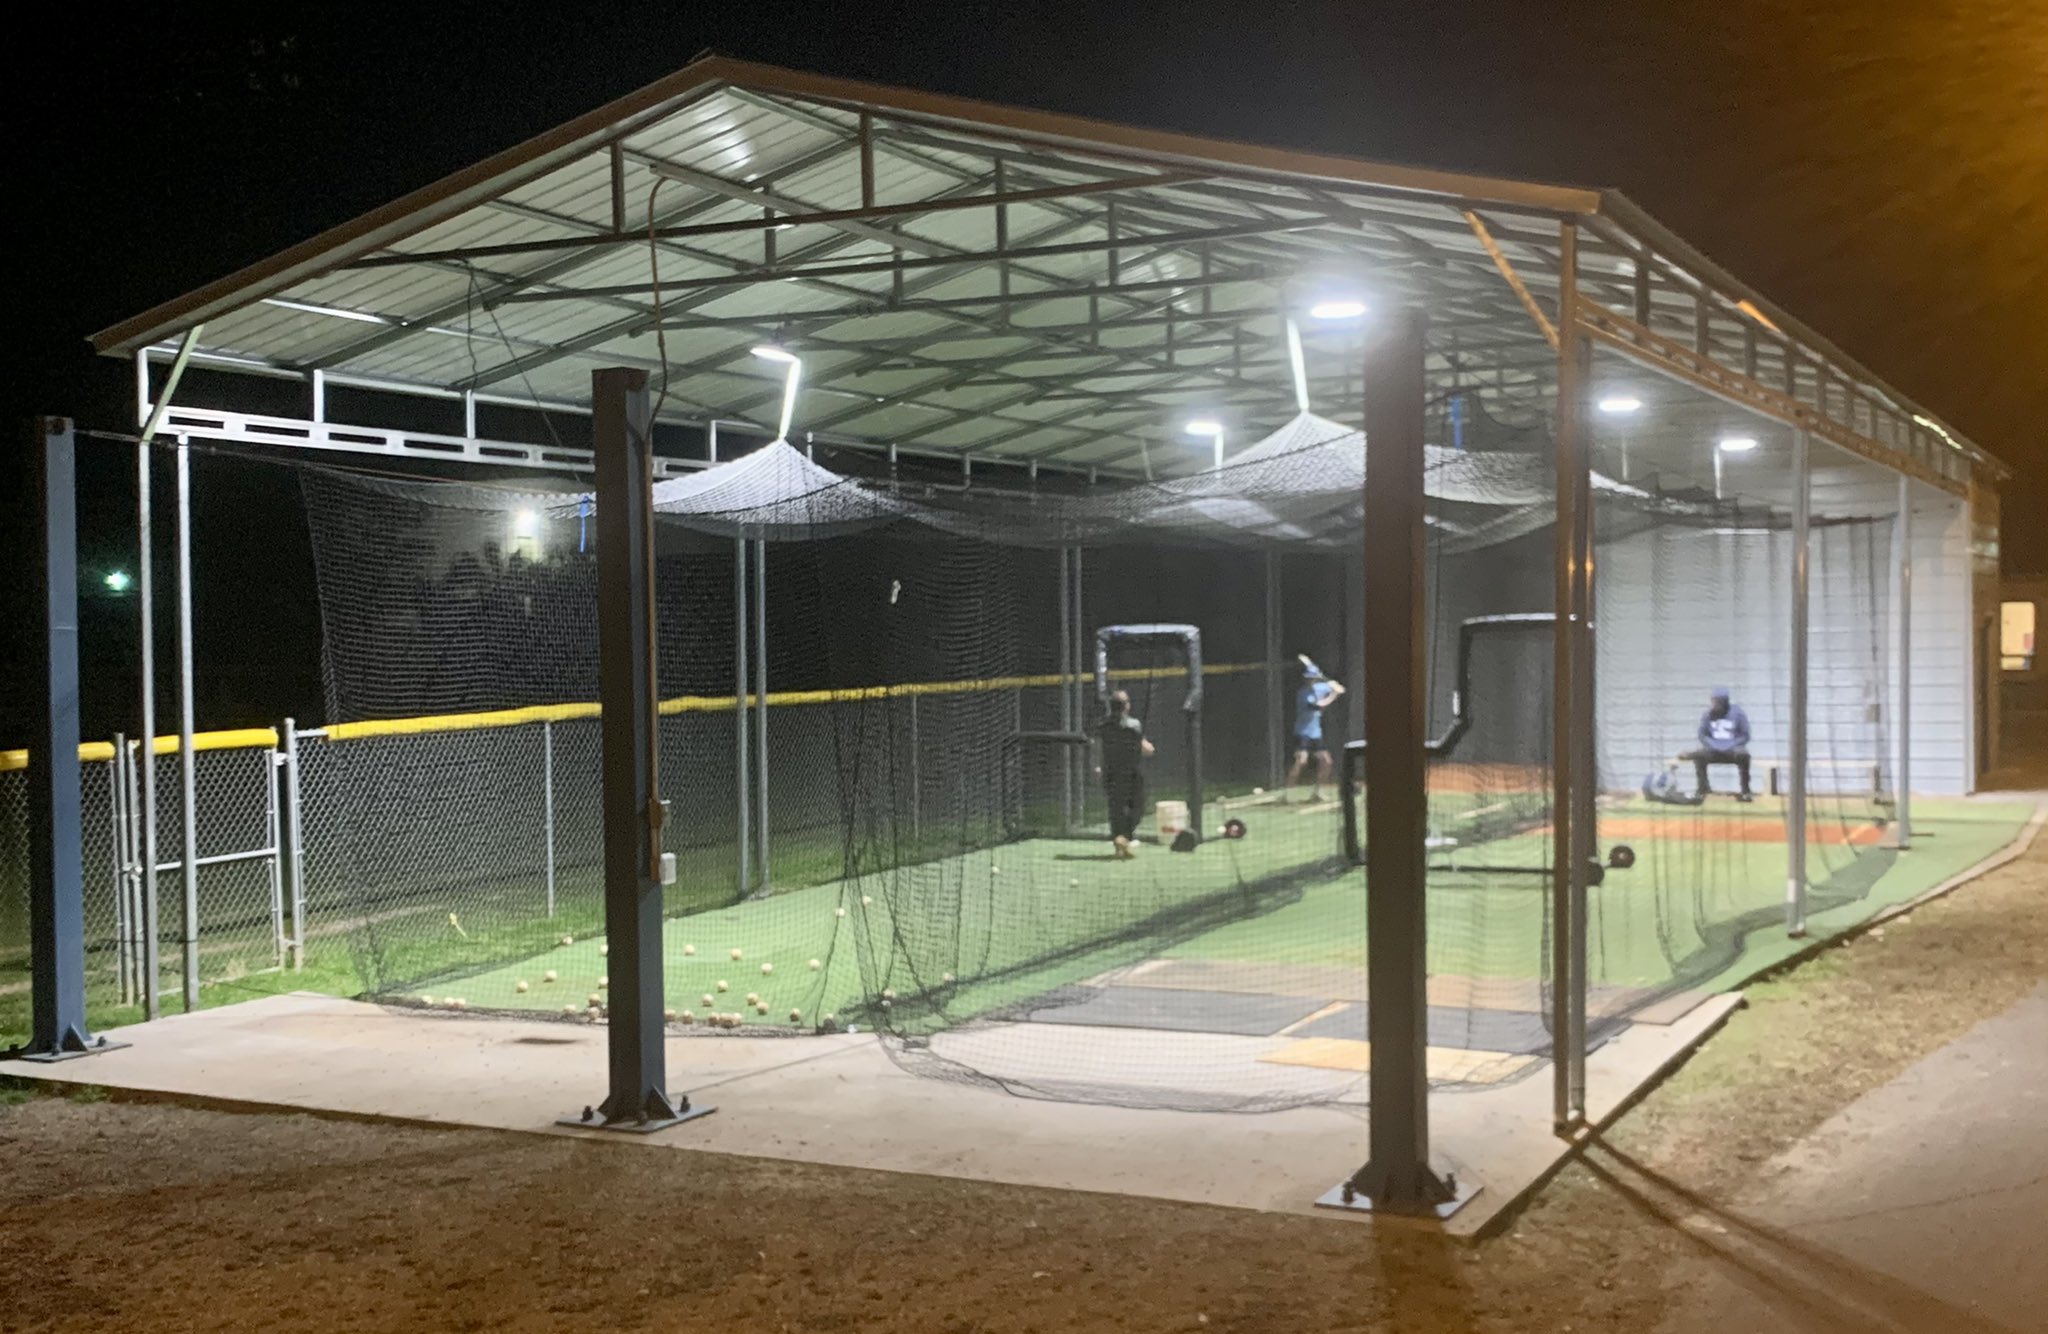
240	738
249	738
556	713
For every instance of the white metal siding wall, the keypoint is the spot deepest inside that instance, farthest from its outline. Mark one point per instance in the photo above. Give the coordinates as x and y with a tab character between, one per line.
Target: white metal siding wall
1681	611
1943	716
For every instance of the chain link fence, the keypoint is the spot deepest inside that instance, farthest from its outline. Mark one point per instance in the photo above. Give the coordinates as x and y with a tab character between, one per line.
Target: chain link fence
430	851
243	926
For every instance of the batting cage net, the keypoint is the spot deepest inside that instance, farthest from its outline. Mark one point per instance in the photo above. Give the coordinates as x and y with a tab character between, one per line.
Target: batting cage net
1053	783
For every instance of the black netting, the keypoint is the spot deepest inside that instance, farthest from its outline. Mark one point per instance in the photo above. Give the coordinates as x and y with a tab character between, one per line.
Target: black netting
929	854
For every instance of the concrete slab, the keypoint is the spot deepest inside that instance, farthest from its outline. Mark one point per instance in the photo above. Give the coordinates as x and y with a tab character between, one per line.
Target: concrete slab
1920	1206
842	1099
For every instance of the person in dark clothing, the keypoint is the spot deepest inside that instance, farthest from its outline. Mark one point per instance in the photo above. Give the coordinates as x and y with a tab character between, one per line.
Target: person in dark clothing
1724	739
1124	748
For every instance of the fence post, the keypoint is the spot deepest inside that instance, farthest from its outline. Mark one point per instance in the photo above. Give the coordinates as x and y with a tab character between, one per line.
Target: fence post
547	809
273	797
117	820
295	842
916	781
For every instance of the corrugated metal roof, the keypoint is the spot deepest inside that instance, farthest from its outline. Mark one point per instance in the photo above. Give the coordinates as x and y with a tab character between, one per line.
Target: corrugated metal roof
1132	276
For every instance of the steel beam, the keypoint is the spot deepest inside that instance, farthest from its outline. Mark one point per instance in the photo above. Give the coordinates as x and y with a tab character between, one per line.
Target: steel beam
1398	1177
964	258
637	1098
56	886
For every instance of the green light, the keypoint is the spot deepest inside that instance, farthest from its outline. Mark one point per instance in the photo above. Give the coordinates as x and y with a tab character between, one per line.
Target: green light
117	581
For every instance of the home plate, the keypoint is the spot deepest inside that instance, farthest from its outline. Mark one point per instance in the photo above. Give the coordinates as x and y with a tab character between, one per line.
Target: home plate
1446	1064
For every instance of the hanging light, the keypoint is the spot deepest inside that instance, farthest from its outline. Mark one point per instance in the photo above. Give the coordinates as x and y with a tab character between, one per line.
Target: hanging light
1212	429
783	356
1620	405
1737	444
1337	308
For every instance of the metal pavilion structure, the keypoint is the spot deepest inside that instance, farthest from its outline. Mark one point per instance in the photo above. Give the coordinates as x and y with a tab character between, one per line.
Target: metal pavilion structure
984	285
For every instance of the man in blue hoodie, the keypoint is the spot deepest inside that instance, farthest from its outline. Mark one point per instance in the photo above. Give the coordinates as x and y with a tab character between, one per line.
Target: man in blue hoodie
1724	739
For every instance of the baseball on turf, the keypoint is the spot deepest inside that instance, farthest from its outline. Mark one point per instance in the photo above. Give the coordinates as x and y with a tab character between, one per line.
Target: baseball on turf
767	968
603	982
888	993
426	1000
735	954
723	985
568	940
708	1002
796	1016
839	912
816	965
689	949
867	900
604	949
753	998
595	1000
520	986
548	976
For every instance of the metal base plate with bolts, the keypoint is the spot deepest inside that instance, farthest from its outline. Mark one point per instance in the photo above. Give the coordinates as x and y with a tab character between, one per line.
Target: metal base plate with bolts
98	1047
659	1114
1346	1196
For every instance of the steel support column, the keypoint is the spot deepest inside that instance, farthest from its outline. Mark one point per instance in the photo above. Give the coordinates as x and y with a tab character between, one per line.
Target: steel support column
1068	722
743	787
1276	703
1397	1177
1572	770
145	598
637	1097
1077	682
56	884
761	840
1795	751
1902	720
188	762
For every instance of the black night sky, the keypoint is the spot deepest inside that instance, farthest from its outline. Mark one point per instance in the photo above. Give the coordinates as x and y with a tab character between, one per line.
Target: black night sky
1879	167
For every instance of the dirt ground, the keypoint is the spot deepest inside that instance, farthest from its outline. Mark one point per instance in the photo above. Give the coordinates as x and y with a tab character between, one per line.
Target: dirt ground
120	1215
